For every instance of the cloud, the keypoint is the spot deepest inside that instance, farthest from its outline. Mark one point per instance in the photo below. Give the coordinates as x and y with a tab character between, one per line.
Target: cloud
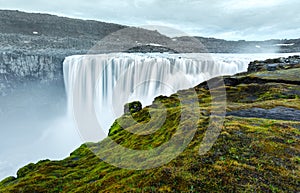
233	19
252	4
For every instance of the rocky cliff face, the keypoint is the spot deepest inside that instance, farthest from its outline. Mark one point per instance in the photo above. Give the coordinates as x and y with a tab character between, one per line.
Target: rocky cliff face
17	68
32	66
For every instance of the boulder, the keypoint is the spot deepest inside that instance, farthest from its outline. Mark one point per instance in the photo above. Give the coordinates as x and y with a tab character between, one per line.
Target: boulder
132	107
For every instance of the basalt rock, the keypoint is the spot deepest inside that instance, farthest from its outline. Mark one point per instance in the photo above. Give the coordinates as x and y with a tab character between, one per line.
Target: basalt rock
274	64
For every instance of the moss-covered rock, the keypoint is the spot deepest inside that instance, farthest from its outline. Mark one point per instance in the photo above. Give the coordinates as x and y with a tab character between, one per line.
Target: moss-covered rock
133	107
7	180
25	170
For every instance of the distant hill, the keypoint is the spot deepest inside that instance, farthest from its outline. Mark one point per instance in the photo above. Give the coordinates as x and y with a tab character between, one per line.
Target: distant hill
49	25
35	31
214	45
39	32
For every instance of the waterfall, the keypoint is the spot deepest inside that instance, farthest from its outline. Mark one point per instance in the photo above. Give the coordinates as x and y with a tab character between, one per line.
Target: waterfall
100	85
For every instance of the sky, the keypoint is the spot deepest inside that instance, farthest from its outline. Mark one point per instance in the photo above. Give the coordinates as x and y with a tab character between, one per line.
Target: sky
230	19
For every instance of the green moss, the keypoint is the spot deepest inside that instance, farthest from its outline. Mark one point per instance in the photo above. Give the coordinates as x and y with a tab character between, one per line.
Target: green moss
132	107
25	170
7	181
250	154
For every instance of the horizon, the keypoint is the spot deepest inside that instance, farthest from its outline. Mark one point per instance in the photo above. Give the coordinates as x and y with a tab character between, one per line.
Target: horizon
232	20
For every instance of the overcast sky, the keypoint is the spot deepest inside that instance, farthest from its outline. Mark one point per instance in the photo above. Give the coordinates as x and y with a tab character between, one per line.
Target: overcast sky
226	19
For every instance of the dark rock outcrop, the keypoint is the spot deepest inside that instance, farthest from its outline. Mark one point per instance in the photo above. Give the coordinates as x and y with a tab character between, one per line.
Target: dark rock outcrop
151	49
133	107
278	113
274	64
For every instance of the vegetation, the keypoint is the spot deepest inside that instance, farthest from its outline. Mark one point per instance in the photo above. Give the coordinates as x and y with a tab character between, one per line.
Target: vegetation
250	154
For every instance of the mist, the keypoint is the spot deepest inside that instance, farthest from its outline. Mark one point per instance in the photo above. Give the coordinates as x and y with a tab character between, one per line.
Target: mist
34	126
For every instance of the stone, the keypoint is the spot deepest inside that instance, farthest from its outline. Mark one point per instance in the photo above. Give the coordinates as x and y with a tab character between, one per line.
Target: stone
133	107
278	113
272	67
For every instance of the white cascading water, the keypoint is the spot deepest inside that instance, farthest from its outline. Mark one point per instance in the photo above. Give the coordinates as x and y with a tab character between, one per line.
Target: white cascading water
102	84
106	82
